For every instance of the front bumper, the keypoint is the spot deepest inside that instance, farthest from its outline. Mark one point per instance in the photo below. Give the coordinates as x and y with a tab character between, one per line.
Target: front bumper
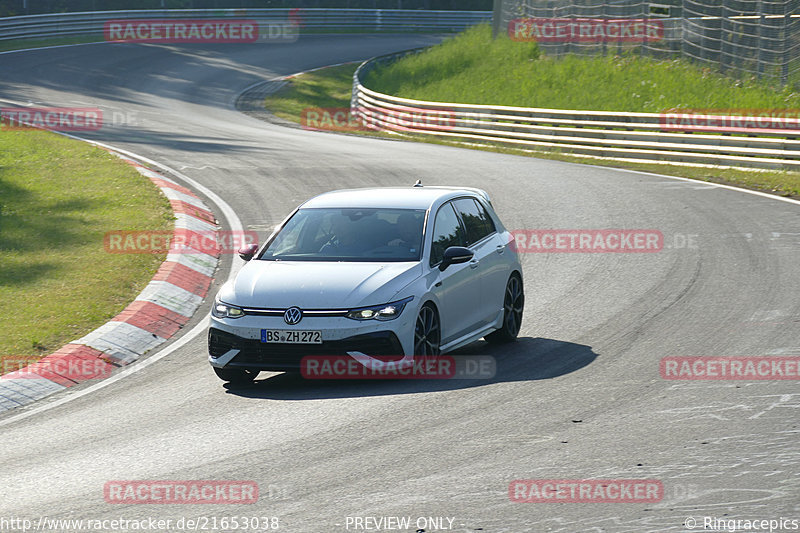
228	350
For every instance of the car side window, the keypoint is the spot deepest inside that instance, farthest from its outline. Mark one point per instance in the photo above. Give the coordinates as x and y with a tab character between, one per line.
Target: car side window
476	220
490	227
447	231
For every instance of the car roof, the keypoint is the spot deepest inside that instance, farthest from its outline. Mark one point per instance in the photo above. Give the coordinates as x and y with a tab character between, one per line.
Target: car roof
417	197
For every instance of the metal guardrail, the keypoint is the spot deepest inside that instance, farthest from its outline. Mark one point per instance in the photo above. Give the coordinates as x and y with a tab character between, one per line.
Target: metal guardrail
640	136
308	19
739	142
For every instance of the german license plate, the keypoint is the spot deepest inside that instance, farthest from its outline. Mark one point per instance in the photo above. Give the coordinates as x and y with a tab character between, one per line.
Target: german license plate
291	336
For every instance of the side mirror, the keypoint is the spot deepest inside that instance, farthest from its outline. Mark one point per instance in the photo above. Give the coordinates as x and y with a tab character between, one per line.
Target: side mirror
455	255
247	252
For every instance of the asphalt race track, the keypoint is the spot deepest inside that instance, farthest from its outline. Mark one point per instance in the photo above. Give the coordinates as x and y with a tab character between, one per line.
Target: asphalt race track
578	396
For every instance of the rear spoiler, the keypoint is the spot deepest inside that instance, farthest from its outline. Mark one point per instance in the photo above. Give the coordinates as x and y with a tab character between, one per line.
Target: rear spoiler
480	192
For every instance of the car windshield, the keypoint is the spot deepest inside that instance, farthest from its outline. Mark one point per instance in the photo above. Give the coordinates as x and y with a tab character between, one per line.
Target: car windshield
385	235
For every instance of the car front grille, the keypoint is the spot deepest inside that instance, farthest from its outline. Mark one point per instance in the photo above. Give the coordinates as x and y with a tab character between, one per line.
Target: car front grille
258	355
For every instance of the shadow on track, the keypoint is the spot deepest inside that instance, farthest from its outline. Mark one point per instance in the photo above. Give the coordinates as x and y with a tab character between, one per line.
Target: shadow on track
528	359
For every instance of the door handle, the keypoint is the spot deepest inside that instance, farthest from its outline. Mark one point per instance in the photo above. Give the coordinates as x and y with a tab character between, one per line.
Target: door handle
501	248
474	263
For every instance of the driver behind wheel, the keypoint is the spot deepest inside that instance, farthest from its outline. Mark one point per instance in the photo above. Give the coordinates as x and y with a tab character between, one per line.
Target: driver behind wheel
409	229
344	239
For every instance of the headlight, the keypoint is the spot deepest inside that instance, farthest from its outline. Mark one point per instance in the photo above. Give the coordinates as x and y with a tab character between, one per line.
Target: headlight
223	310
388	311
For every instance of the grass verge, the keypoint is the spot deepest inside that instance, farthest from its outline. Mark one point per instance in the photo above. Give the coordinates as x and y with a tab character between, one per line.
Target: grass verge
58	198
473	68
330	88
325	88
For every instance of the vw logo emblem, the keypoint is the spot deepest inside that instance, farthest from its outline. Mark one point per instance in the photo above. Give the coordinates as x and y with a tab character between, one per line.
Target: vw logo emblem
292	316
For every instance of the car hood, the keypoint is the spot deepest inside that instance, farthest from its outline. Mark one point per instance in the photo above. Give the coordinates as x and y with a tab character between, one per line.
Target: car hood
318	285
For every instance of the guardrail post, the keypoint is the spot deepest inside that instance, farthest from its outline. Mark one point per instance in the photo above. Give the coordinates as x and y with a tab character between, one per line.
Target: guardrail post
760	40
784	32
497	18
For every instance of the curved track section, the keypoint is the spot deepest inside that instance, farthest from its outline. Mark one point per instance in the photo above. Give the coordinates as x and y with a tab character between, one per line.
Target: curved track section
579	396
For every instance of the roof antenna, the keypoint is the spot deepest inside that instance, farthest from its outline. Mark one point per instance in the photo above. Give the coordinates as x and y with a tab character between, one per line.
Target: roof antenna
418	183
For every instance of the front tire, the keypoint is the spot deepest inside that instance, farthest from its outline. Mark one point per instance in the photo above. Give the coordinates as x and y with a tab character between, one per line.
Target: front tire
236	376
427	333
513	305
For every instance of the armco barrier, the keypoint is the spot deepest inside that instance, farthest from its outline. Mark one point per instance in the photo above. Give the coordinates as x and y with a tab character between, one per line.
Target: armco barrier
306	20
738	142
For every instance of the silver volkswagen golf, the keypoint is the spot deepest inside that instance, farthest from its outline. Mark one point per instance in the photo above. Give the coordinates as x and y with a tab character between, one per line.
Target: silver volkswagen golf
411	272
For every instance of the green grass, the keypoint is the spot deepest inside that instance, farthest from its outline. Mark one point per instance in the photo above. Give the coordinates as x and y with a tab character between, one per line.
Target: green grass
327	88
472	68
331	88
58	197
